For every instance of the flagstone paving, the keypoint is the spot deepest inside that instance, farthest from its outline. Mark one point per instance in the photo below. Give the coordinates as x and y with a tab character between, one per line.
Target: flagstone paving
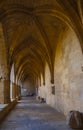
29	114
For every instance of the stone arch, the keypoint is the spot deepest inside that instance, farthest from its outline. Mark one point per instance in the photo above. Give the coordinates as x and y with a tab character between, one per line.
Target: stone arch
44	10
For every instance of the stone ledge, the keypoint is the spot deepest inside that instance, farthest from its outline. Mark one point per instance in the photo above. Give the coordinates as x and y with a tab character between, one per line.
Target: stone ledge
2	106
6	108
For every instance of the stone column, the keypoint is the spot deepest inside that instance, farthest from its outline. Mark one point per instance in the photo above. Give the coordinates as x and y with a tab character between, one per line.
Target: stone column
14	91
19	92
4	91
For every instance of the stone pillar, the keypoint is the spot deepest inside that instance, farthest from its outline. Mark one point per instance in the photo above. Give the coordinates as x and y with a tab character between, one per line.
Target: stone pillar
13	91
16	91
4	91
19	92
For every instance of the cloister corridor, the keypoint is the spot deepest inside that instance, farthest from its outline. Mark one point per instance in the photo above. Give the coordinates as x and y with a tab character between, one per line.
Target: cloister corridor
29	114
41	64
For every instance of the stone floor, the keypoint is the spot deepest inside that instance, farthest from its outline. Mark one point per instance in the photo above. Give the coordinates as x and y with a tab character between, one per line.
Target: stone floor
29	114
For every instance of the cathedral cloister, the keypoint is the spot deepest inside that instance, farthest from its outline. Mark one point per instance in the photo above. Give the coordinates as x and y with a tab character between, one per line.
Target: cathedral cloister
41	63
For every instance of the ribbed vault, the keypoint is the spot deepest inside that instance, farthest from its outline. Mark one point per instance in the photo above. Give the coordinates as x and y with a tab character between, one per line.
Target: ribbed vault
33	29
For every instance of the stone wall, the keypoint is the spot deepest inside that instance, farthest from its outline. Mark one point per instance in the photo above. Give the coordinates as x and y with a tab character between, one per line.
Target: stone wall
68	76
1	93
4	92
4	81
3	56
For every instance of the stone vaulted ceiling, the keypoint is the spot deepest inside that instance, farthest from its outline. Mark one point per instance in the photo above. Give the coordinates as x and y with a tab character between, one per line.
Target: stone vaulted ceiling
32	30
